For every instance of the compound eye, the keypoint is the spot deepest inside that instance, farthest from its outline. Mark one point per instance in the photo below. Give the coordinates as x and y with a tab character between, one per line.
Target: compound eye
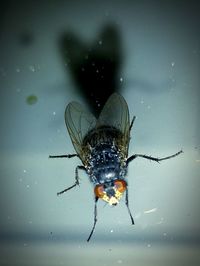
120	185
99	191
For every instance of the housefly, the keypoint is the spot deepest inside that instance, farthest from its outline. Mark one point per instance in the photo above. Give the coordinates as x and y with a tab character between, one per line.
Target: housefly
102	146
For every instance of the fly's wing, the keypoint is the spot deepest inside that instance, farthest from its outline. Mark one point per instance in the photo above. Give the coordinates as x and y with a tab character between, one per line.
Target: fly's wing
79	122
115	113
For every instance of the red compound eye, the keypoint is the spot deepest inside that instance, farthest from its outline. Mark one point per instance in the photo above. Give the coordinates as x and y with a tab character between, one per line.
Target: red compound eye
120	185
99	191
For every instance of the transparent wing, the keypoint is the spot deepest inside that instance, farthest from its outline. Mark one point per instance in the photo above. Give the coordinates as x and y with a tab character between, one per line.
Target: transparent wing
79	122
115	113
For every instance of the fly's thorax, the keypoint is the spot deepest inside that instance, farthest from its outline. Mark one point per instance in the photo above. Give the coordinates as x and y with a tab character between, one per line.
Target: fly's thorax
100	140
106	163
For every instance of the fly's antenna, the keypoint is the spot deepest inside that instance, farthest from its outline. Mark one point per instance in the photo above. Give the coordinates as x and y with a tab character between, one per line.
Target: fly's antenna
132	220
95	219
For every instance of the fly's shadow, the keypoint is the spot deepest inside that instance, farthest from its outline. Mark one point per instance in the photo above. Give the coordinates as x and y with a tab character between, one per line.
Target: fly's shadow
94	67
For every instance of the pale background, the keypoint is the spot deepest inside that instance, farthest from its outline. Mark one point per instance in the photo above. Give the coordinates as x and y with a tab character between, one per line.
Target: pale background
160	81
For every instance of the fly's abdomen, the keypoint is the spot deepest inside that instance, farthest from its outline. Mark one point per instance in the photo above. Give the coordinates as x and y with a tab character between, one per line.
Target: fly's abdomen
103	135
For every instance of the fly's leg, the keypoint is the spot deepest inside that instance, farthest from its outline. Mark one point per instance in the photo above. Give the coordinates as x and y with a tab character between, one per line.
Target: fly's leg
132	121
76	170
132	220
64	156
95	219
76	180
131	158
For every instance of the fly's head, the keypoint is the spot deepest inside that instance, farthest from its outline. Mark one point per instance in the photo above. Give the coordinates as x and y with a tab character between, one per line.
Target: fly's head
111	191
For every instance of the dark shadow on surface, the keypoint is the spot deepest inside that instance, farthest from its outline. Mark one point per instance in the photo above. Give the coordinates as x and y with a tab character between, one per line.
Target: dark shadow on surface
94	67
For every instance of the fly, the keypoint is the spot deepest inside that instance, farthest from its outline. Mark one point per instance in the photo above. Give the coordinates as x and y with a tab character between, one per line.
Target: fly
102	146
